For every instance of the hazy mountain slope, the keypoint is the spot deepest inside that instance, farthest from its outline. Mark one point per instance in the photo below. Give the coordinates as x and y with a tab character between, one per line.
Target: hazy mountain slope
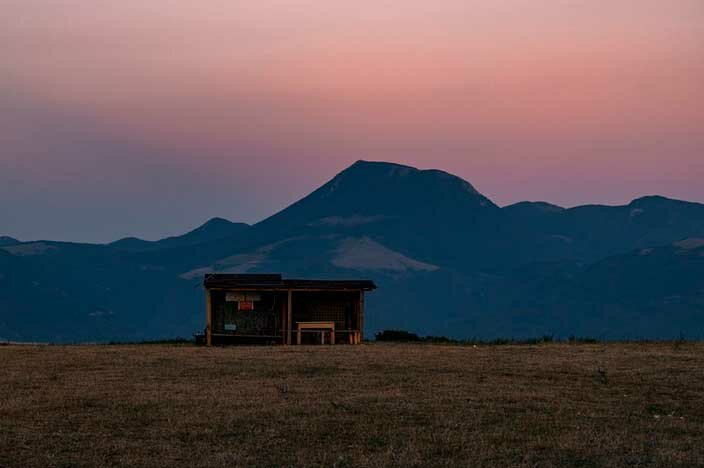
53	291
651	275
592	232
646	293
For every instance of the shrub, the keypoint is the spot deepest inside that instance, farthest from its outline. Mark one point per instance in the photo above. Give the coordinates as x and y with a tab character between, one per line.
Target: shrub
396	335
581	340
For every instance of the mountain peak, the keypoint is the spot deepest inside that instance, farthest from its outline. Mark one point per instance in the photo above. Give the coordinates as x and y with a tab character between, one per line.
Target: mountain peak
385	190
390	170
214	223
365	164
653	200
660	202
7	241
211	230
529	207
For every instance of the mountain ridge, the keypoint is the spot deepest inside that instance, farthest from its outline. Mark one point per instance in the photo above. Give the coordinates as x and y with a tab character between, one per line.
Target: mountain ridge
446	258
213	229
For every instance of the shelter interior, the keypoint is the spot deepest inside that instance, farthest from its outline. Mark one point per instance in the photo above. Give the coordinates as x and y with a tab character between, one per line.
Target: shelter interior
270	309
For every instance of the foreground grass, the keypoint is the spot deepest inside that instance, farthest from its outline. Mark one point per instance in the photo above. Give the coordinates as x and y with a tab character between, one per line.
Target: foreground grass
369	405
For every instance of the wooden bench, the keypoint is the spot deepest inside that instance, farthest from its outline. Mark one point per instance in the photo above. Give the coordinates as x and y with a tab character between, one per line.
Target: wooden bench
321	327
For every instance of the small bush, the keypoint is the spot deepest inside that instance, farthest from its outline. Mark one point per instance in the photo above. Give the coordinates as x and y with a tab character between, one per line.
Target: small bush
498	341
581	340
397	335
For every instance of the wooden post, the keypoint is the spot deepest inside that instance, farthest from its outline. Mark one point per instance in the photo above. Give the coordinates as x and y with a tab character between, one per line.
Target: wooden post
209	319
360	316
284	315
289	321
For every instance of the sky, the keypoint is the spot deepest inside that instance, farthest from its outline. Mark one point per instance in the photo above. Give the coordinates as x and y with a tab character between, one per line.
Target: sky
145	119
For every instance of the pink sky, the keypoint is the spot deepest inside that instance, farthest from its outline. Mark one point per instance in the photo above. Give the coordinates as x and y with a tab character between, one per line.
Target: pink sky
146	118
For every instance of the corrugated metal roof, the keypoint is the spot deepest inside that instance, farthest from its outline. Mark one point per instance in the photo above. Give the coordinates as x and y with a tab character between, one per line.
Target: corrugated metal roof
275	281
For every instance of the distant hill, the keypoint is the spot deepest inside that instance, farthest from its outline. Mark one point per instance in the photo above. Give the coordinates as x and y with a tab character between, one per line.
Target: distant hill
589	233
448	261
6	240
212	230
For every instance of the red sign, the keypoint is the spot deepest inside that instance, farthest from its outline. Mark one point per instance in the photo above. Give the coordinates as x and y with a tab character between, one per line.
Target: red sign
245	305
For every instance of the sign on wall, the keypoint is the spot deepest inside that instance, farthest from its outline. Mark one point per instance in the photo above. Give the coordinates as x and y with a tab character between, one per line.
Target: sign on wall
234	297
245	305
240	296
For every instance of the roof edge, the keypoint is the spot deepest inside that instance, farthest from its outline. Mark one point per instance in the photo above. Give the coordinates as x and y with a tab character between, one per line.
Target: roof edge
270	281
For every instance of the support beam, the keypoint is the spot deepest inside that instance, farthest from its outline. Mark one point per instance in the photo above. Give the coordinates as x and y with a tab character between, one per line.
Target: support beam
283	313
208	318
360	320
289	320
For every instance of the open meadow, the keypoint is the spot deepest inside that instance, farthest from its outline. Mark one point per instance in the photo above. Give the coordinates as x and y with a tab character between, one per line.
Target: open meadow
368	405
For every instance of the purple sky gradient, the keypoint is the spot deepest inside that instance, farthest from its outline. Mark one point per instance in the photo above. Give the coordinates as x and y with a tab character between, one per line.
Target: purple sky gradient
147	118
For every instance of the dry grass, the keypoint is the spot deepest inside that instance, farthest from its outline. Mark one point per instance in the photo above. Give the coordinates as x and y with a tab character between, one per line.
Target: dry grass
370	405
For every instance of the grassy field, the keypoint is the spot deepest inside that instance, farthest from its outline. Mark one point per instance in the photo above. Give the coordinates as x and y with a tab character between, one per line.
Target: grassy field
369	405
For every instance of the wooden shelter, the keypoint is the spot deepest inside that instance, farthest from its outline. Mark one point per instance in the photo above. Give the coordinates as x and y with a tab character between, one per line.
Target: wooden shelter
265	308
